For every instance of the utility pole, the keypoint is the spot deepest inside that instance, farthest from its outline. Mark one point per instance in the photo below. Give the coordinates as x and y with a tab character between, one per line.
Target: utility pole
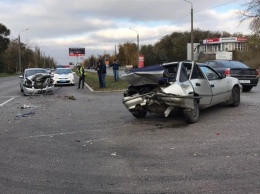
191	13
19	50
137	46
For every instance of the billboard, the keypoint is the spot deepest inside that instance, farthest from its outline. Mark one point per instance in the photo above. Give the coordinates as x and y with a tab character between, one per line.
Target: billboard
76	52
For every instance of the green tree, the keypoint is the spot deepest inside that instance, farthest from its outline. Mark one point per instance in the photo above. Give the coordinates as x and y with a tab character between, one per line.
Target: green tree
4	41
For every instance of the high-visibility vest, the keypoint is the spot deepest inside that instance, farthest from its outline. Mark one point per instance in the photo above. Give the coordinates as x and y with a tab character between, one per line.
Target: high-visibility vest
81	71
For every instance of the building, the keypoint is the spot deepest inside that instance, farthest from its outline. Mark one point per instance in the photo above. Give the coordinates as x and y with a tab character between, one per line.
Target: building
213	45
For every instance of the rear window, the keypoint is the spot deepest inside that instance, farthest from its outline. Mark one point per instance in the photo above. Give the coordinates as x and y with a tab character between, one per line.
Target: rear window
234	64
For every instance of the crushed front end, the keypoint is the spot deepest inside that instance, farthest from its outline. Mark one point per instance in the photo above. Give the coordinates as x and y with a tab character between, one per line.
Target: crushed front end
38	84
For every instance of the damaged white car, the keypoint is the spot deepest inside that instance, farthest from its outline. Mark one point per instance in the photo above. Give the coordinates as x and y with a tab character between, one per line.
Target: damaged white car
36	81
184	86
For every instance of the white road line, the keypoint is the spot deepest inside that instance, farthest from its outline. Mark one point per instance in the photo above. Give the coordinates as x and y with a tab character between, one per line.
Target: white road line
6	102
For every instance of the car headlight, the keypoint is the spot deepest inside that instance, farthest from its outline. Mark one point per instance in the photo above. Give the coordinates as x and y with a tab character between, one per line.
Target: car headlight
28	83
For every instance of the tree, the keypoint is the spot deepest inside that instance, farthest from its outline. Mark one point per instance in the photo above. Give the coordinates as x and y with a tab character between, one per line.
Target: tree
252	13
4	41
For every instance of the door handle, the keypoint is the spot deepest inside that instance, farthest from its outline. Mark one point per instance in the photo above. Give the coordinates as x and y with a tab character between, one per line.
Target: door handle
212	85
198	84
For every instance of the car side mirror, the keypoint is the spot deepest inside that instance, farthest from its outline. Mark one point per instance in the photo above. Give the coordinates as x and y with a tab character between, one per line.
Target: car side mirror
21	76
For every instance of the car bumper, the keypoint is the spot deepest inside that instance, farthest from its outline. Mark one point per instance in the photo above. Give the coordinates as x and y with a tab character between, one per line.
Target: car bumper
131	102
34	91
248	82
63	82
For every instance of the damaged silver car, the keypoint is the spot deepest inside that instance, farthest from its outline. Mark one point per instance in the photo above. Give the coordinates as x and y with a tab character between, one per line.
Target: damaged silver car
36	81
184	86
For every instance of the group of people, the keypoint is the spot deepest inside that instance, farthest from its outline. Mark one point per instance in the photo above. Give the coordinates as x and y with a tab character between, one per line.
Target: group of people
102	71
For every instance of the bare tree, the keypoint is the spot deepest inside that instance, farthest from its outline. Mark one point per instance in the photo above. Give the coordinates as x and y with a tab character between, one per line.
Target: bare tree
252	13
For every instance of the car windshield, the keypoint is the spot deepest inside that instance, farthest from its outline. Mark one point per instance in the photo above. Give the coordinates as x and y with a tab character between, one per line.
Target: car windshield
34	71
63	71
234	64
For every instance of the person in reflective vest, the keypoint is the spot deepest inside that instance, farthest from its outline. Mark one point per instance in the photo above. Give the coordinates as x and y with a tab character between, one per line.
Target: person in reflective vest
82	74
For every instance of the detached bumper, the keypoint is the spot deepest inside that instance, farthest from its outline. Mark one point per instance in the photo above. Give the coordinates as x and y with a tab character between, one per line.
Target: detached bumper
34	91
132	102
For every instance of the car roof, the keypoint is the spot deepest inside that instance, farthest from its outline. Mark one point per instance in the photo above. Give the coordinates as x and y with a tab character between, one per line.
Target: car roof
63	68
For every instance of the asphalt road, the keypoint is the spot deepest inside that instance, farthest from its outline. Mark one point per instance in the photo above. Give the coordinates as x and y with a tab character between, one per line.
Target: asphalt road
94	145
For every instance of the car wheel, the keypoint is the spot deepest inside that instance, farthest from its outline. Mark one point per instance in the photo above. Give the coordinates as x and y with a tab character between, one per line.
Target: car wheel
192	116
235	95
140	113
247	88
21	89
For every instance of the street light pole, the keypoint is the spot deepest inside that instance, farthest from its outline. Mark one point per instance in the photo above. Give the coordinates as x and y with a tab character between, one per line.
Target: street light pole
19	50
36	55
137	46
191	13
115	47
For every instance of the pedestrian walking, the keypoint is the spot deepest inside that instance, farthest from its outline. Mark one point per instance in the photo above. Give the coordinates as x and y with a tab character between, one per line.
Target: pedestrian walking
82	74
115	66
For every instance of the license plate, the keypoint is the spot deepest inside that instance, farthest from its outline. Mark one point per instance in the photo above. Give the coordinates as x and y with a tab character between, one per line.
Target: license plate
62	80
245	81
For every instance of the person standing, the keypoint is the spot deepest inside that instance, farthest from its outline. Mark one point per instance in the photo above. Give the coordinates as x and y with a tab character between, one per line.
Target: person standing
98	69
81	76
103	70
115	66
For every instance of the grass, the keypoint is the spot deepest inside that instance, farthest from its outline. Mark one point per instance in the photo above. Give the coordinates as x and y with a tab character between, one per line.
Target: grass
6	74
92	80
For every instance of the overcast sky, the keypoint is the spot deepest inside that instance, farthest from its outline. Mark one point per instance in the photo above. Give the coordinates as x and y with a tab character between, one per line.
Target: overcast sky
99	25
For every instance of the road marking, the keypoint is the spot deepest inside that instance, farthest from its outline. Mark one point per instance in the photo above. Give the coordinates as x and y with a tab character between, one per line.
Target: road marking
6	102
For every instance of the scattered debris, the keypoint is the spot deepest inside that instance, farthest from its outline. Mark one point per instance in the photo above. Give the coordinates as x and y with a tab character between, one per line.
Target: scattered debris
28	106
27	114
71	97
113	154
77	140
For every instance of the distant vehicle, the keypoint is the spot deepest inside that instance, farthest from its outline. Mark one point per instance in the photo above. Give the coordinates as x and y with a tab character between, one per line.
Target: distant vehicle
247	76
36	81
183	85
63	76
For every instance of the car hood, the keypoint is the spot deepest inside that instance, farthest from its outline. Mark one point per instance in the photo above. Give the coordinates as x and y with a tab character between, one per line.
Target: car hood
63	75
40	77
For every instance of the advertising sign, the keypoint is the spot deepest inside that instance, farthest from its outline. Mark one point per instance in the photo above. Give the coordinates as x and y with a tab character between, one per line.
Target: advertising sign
141	61
224	55
76	52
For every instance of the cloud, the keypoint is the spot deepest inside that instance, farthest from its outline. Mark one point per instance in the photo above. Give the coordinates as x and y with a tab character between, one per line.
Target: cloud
98	25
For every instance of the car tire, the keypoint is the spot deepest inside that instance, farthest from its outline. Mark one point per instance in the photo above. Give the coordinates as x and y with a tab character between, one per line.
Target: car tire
21	89
235	96
140	113
192	116
247	88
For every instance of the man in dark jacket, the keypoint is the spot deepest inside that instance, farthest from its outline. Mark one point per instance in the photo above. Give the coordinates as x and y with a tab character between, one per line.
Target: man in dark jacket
115	66
101	70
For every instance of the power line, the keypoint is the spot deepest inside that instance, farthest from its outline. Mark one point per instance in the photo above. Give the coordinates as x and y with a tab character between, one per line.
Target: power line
189	14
